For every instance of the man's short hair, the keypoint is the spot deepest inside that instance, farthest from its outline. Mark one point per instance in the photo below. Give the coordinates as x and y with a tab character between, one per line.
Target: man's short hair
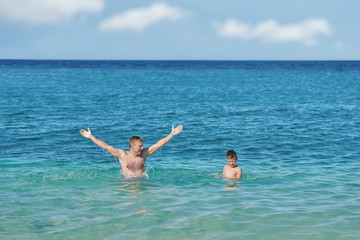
231	154
134	139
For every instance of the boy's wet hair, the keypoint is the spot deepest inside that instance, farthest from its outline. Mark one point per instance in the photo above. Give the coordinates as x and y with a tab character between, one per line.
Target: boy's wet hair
231	154
134	139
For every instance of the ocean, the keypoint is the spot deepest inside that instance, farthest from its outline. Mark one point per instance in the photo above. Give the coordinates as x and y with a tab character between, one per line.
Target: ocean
295	126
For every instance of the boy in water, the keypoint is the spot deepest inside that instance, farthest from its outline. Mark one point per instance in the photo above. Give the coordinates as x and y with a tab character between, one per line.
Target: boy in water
232	171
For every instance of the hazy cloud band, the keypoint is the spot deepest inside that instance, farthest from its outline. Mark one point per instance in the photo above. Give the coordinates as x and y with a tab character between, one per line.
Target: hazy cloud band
271	31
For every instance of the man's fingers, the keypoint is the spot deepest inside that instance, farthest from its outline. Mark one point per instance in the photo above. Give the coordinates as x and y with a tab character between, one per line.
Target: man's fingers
83	132
179	128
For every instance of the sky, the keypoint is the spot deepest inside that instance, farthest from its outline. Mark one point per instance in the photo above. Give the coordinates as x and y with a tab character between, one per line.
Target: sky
180	29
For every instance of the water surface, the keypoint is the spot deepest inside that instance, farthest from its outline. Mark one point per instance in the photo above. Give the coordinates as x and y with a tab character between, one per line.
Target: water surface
295	127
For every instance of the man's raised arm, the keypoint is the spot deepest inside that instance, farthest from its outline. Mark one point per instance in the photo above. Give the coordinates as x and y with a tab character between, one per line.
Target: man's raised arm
162	142
113	151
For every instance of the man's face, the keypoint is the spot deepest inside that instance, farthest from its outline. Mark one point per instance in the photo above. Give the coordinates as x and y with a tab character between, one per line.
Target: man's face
137	147
231	161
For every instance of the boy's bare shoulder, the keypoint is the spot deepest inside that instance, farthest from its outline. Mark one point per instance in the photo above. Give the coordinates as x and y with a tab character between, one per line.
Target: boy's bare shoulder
226	167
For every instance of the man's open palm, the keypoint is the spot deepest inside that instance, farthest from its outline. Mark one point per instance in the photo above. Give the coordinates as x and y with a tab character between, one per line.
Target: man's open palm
85	133
176	130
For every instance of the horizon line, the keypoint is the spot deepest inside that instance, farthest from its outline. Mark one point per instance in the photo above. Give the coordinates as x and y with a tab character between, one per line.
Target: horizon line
228	60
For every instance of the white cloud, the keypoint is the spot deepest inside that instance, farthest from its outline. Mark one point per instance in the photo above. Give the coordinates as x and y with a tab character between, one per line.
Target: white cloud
140	18
271	31
46	11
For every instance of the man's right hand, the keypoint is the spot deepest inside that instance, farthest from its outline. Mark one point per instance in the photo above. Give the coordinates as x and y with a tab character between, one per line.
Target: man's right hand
177	130
85	133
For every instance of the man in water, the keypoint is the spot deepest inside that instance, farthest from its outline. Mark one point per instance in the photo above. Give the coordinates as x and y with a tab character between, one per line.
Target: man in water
232	171
133	161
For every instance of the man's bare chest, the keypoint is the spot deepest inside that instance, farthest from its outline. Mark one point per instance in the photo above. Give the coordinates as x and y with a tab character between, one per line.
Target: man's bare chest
134	164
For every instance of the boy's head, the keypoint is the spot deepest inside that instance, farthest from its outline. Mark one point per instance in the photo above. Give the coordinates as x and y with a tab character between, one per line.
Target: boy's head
136	143
231	158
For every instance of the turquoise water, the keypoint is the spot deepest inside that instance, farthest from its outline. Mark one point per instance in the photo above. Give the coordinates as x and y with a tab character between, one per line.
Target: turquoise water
295	127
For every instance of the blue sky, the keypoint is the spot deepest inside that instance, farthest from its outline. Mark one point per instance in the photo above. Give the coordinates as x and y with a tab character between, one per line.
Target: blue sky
180	29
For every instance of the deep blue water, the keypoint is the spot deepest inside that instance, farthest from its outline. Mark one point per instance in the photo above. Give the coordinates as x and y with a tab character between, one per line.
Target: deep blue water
294	124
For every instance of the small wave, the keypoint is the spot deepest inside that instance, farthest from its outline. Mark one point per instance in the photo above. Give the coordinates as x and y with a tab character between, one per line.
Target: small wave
255	176
29	139
65	176
131	177
21	113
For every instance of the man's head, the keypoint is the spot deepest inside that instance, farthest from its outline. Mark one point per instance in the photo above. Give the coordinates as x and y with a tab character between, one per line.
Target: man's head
136	144
231	158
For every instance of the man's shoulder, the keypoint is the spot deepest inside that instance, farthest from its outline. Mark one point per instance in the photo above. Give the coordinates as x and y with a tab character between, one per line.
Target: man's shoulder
122	153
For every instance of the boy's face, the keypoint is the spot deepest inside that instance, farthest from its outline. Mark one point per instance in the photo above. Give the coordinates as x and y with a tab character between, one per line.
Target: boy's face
231	161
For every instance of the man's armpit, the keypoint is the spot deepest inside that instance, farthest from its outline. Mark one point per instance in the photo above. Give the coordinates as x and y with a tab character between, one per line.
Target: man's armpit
145	152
